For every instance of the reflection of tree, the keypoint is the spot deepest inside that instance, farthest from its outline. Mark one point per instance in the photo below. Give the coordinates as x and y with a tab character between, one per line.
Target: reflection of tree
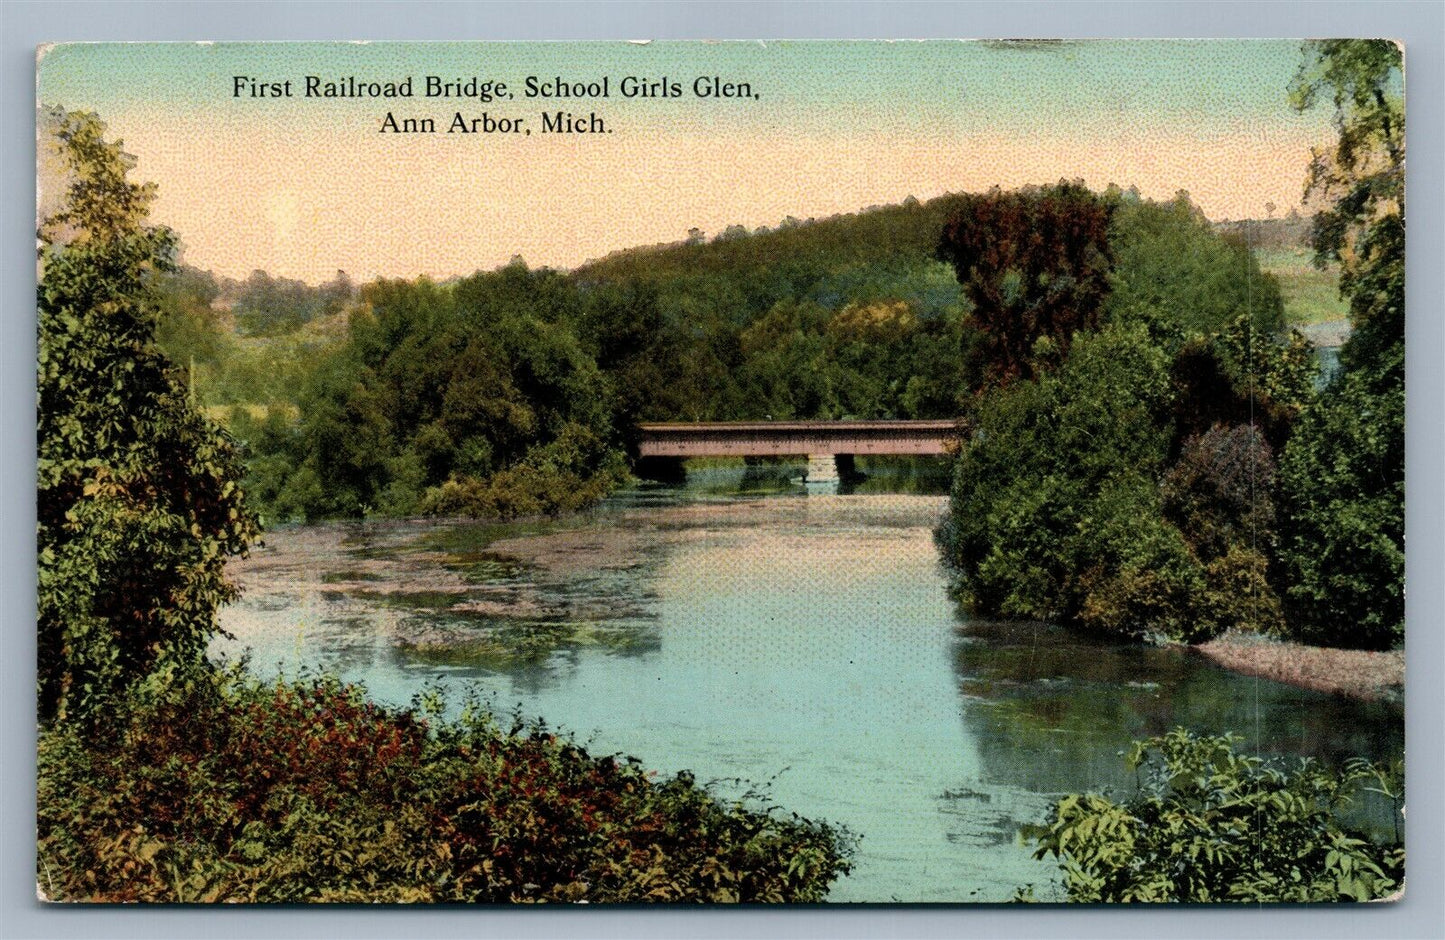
914	475
535	656
1050	710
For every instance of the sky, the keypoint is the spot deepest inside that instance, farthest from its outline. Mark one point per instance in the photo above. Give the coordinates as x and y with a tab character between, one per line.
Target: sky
303	187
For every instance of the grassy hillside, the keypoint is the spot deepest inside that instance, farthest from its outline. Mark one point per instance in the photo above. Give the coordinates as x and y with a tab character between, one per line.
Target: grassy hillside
1311	295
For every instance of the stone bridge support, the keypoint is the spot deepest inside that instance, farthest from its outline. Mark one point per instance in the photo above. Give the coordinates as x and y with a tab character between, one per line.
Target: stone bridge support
822	468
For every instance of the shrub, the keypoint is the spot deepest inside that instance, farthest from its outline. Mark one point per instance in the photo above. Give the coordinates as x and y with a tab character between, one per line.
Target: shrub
1131	571
1207	824
306	791
570	473
1218	492
1055	510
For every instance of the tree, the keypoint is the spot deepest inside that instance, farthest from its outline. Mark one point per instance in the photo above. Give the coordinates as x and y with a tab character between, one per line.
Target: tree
1342	476
1055	511
1174	271
481	388
138	503
1362	183
1034	263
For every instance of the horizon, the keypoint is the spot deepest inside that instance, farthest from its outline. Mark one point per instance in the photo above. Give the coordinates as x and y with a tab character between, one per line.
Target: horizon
302	188
762	231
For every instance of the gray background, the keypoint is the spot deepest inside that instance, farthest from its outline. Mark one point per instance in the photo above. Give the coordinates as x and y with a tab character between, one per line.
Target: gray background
1421	25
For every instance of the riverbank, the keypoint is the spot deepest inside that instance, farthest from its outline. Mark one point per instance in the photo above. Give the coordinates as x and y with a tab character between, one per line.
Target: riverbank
1357	674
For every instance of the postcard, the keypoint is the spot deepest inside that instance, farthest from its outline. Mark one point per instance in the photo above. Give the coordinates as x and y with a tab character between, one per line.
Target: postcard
732	472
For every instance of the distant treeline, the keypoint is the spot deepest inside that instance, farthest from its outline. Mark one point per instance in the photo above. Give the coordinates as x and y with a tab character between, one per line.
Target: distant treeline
481	394
1292	231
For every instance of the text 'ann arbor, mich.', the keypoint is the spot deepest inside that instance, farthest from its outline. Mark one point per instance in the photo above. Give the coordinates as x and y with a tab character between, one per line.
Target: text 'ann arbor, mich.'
488	91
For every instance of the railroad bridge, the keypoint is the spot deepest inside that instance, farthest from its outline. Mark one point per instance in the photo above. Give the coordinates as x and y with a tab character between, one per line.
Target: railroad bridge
830	446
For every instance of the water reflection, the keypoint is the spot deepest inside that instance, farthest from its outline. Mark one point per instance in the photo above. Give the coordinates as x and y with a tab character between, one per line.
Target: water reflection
767	476
1054	711
738	628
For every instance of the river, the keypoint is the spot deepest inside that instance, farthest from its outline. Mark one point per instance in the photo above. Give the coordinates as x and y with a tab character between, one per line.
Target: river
800	649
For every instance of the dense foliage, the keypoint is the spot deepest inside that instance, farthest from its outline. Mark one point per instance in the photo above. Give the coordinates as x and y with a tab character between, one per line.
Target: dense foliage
264	305
1207	824
1035	265
1052	496
1108	498
1183	275
474	397
138	503
1342	478
299	792
1125	488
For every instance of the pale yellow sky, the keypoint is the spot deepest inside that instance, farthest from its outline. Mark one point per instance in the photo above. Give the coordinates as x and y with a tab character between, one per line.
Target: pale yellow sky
304	188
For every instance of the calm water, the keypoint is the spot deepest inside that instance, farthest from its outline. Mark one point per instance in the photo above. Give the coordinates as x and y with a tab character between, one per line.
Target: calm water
805	644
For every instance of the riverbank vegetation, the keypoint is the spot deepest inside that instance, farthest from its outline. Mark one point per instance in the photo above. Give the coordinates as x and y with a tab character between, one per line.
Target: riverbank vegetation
1207	824
1123	485
225	789
163	779
1156	462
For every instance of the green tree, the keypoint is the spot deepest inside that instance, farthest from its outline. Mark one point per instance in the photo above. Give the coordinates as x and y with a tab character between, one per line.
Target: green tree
1175	272
475	397
1056	512
1114	490
1342	476
137	498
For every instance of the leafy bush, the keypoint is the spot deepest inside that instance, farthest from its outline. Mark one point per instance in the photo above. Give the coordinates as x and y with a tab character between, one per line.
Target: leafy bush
1238	377
1207	824
1055	510
1218	494
572	472
306	791
1219	490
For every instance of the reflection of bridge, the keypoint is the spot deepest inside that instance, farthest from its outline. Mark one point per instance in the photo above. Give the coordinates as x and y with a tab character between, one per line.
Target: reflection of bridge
829	445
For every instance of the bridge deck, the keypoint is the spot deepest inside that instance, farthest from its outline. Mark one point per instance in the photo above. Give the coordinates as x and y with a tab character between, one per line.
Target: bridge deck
794	438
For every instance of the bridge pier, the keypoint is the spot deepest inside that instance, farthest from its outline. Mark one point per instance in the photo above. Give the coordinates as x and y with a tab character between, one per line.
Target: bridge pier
822	468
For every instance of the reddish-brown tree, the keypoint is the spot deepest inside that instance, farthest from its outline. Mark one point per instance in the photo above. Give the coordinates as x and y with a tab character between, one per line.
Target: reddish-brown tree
1035	265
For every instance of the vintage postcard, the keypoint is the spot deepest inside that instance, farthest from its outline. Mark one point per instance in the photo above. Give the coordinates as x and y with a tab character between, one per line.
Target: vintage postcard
613	472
